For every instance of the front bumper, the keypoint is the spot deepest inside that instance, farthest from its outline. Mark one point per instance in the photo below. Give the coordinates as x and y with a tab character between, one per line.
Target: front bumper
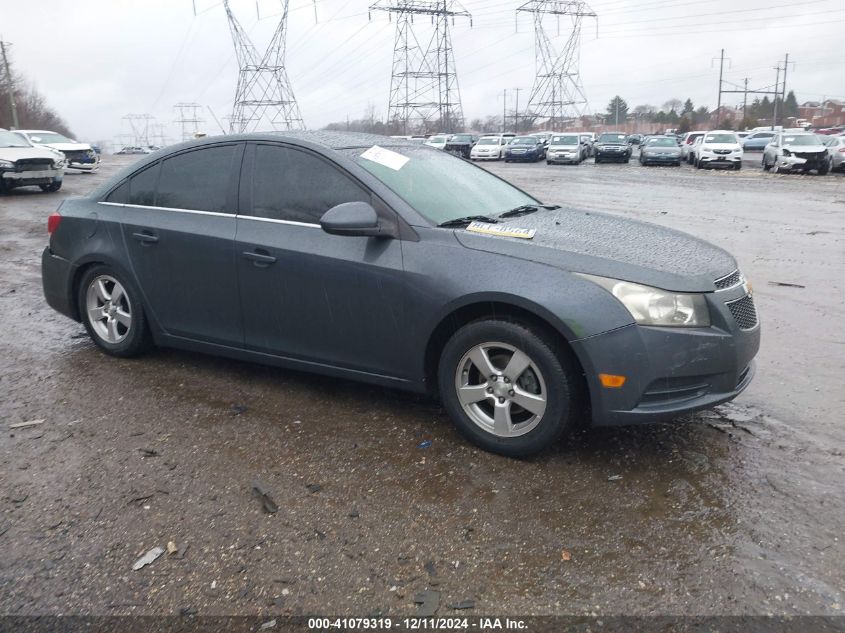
57	281
789	163
27	178
485	155
563	157
720	160
605	154
530	156
672	159
669	371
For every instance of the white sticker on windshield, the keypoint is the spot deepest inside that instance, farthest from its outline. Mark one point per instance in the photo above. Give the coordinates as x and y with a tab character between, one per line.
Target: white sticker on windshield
385	157
504	231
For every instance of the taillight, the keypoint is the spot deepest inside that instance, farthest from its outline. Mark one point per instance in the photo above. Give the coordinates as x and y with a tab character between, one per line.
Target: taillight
842	150
53	223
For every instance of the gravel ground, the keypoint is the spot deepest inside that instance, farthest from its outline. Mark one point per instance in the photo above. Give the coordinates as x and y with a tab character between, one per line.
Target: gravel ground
733	511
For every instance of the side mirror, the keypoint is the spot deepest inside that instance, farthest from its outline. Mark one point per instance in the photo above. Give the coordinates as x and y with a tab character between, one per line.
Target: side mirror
351	218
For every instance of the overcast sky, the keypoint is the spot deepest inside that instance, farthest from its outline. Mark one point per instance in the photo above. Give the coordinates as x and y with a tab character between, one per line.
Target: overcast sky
98	60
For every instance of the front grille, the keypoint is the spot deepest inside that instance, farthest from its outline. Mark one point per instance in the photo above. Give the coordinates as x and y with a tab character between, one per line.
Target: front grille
744	312
729	281
722	151
810	155
33	164
76	154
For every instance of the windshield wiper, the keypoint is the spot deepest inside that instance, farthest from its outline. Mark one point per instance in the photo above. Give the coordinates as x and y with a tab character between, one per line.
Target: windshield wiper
525	209
457	222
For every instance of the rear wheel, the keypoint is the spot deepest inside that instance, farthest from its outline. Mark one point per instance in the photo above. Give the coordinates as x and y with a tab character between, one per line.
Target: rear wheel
506	387
112	313
52	187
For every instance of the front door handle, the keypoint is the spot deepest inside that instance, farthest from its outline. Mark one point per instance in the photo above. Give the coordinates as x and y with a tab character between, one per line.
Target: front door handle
260	258
145	237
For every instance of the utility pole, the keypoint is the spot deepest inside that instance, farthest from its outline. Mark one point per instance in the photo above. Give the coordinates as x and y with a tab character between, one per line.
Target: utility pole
745	101
777	94
721	73
13	107
516	112
505	111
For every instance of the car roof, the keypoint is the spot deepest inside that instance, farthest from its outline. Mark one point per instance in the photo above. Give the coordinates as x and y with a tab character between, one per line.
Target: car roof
37	131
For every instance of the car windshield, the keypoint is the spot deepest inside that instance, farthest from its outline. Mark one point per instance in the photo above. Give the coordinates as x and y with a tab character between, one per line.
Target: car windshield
763	135
7	139
462	138
49	137
612	138
488	141
442	187
720	138
564	140
801	139
525	140
438	139
661	142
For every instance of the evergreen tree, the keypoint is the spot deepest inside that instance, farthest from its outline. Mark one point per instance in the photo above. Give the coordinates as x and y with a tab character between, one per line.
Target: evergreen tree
689	108
617	110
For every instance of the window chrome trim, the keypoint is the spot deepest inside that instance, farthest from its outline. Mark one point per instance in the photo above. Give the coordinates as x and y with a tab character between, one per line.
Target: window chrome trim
741	281
195	211
213	213
274	221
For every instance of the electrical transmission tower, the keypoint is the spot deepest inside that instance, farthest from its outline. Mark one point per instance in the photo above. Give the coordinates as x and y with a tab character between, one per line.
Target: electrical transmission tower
264	98
188	119
140	125
424	93
557	94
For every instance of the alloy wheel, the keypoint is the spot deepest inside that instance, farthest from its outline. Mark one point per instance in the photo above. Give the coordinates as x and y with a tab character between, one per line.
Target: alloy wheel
109	309
501	389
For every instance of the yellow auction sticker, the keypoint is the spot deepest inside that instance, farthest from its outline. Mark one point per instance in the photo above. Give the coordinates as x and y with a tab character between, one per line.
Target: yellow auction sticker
503	231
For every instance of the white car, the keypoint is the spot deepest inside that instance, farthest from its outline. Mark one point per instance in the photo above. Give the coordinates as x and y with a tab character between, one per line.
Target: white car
687	144
718	148
565	148
79	156
23	165
796	151
489	148
438	142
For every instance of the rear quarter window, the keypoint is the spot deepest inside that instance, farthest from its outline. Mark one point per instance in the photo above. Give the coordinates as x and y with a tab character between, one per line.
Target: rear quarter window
197	180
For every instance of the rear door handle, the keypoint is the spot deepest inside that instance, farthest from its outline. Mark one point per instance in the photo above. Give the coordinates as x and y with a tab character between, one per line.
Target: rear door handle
145	237
259	258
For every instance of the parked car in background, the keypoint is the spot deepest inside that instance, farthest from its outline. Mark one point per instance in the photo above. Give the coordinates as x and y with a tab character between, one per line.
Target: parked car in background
438	141
635	139
525	148
612	146
718	148
791	151
489	148
660	150
742	135
836	148
589	140
79	156
544	136
653	325
687	143
461	144
565	148
23	164
133	149
757	141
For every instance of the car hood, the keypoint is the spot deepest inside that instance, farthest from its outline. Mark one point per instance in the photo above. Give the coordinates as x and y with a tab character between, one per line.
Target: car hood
17	153
712	146
67	147
611	246
658	148
559	147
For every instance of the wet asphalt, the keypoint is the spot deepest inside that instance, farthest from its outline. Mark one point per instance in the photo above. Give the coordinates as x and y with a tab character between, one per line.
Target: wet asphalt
739	510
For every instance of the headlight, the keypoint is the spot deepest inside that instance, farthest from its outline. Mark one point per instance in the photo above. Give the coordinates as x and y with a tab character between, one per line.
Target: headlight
786	152
652	306
58	163
7	164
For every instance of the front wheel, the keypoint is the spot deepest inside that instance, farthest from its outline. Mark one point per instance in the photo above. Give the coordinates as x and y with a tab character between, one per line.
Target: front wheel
507	388
112	313
52	187
823	170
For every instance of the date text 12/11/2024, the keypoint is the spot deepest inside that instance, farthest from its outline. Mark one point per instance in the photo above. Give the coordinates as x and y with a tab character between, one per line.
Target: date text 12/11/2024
417	624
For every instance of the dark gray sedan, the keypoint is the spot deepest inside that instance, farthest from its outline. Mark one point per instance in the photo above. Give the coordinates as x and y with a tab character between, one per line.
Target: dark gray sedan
389	262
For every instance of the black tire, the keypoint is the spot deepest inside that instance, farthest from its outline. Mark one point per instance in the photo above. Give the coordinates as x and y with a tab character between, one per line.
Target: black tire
548	162
137	338
52	187
698	164
598	160
738	166
766	166
558	372
823	170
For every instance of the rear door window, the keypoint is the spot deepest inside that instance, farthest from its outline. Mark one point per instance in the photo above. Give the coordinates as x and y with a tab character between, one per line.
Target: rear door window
142	187
197	180
296	186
